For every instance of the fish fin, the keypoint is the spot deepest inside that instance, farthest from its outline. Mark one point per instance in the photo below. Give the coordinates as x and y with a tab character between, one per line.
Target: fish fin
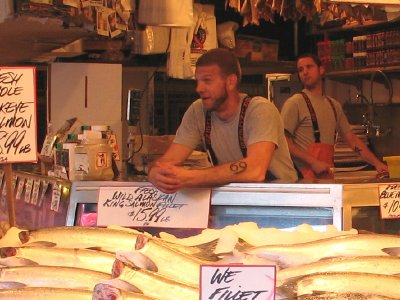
393	251
11	285
124	285
95	248
137	259
41	244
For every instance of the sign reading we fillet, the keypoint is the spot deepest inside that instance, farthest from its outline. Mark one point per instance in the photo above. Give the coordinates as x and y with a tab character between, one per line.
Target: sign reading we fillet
239	282
17	115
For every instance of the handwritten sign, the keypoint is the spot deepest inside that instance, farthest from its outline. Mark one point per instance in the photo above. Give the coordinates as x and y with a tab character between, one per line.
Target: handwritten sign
218	282
17	115
143	206
389	198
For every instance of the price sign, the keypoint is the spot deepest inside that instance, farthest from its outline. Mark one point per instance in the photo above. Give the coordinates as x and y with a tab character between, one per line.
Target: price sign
143	206
237	282
389	198
18	115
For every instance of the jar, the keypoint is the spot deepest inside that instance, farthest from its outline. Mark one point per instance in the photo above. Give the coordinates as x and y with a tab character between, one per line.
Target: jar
93	161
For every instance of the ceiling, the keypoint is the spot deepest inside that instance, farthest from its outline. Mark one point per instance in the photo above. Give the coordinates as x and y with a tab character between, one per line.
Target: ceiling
25	38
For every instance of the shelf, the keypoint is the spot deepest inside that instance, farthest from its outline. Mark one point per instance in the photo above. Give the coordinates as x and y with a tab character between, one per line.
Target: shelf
362	72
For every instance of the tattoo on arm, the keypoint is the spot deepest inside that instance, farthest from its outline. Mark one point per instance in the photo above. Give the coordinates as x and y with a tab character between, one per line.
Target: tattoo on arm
357	150
238	167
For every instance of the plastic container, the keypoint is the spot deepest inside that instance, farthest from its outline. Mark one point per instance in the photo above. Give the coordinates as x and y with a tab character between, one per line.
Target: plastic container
393	163
93	161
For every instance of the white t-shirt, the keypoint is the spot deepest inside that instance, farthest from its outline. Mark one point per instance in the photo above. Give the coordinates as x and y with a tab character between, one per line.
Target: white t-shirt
262	123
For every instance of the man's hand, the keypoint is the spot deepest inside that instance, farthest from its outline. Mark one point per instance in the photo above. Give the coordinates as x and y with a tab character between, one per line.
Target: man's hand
382	170
163	177
320	167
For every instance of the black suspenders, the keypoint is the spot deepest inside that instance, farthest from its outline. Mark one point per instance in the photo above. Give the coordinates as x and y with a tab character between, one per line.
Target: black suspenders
317	133
243	148
207	131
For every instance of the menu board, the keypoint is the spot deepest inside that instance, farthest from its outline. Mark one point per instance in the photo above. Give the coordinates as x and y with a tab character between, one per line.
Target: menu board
17	115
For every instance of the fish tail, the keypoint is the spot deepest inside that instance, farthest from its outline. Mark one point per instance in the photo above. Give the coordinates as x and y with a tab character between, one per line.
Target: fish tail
7	252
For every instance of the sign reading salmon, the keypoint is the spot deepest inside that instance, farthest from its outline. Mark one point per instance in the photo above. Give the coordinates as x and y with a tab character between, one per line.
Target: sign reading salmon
146	206
17	115
389	198
218	282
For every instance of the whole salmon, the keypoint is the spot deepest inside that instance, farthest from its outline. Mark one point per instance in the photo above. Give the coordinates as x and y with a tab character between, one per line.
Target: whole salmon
154	285
341	296
45	293
50	276
170	262
67	257
346	245
366	264
342	283
110	240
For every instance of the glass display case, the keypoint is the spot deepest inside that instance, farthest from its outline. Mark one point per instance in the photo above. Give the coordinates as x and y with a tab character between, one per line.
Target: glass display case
43	201
267	204
40	201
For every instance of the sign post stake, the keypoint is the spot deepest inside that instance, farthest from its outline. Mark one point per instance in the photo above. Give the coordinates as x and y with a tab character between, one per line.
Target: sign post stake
10	195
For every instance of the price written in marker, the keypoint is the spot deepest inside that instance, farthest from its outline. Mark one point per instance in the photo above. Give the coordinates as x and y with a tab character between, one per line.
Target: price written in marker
146	206
389	198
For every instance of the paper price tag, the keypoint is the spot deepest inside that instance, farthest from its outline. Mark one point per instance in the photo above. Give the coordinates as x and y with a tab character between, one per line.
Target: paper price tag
45	185
146	206
20	188
28	190
389	199
18	100
35	192
237	282
56	197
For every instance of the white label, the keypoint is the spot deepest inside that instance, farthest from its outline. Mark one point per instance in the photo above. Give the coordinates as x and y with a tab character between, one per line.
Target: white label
55	197
35	192
389	198
28	190
20	188
81	163
18	114
102	160
147	206
237	282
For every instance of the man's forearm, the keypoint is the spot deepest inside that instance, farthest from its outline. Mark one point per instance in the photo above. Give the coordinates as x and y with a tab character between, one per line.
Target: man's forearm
238	171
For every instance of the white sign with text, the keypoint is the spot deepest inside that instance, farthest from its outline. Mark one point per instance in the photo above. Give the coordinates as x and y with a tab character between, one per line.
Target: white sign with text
389	199
17	115
237	282
146	206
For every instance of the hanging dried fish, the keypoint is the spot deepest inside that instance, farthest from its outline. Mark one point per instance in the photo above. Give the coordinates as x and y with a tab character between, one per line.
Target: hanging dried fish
264	10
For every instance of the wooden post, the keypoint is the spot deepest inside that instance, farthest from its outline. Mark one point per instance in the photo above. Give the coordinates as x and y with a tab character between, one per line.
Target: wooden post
10	194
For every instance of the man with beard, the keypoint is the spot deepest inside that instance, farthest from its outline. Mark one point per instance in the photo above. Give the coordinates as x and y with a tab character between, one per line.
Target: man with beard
243	136
312	121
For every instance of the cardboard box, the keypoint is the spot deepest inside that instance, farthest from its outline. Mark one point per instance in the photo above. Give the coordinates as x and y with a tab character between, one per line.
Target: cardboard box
256	48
